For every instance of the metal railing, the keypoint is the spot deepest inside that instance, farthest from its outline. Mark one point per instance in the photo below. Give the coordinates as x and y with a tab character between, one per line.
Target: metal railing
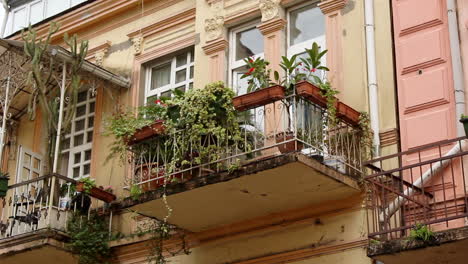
38	204
423	186
293	124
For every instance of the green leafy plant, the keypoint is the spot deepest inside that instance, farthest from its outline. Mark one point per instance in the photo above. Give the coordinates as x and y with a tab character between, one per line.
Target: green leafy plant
292	73
135	191
421	232
88	184
258	74
463	116
313	62
89	238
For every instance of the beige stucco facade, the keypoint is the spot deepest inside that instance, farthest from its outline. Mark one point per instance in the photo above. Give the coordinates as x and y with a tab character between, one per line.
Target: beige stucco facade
125	35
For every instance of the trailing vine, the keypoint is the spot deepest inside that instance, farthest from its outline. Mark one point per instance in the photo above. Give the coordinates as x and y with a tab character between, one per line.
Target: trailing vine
89	238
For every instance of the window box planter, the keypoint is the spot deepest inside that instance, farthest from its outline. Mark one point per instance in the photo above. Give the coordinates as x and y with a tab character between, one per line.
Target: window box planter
311	93
290	146
258	98
347	114
144	133
96	193
3	185
464	121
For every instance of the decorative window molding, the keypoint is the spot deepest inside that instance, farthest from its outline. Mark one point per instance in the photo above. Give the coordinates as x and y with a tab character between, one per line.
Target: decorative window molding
99	52
215	46
329	6
272	26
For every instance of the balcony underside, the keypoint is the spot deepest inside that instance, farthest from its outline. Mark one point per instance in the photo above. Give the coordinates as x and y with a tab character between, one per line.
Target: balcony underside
42	246
260	188
448	247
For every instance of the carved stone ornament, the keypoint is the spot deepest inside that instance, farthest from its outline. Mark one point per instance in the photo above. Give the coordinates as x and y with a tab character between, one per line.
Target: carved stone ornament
137	44
214	27
269	8
99	57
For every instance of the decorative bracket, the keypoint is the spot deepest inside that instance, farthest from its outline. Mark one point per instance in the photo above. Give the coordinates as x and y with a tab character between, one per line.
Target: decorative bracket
137	44
270	9
214	27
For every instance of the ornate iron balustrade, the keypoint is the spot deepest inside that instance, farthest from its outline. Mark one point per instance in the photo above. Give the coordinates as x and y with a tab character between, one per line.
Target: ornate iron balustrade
422	186
293	124
42	204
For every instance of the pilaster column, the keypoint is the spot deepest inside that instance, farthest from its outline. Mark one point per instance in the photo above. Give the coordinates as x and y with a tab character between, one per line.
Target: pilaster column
274	41
216	52
215	48
333	23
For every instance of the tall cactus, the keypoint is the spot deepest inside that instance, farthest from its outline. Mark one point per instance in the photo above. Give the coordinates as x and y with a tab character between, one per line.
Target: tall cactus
45	80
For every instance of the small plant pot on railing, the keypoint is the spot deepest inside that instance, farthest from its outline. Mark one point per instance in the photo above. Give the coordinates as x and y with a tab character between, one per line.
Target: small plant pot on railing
3	185
96	193
347	114
464	121
258	98
311	93
290	146
154	180
144	133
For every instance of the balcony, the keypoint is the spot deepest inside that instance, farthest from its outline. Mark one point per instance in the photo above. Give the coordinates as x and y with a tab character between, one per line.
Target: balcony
34	216
421	190
290	156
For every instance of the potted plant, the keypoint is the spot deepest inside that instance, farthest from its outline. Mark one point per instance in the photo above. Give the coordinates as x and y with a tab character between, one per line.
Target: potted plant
3	184
260	90
88	186
347	114
464	121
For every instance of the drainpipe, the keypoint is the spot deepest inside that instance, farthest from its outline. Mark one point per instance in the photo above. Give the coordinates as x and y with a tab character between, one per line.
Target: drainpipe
372	74
456	64
5	18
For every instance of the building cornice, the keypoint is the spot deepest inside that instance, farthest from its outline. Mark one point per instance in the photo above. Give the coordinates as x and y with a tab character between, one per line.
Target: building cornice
329	6
164	24
215	45
272	25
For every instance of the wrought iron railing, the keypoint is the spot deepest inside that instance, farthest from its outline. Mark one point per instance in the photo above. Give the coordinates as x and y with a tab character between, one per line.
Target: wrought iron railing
424	186
293	124
46	202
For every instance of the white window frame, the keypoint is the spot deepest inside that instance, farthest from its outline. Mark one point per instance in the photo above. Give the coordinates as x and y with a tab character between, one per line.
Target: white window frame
86	146
22	151
300	47
172	79
235	65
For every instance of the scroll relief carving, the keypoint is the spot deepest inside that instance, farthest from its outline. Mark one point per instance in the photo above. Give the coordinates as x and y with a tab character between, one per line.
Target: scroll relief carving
270	9
214	27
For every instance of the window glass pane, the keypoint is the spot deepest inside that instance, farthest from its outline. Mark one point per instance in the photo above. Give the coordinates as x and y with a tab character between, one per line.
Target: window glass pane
166	94
89	137
190	86
27	160
25	174
36	12
66	143
91	107
87	155
306	23
191	72
192	56
76	172
86	169
78	140
82	96
19	19
181	88
240	84
77	158
160	76
56	6
79	125
181	75
151	100
64	163
80	110
36	163
181	60
248	43
91	122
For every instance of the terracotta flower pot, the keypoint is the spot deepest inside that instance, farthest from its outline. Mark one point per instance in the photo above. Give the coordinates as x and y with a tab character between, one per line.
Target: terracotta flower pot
311	93
290	146
347	114
96	193
258	98
146	175
144	133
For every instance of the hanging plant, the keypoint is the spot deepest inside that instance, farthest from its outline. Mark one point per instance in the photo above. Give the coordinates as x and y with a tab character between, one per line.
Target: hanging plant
89	238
